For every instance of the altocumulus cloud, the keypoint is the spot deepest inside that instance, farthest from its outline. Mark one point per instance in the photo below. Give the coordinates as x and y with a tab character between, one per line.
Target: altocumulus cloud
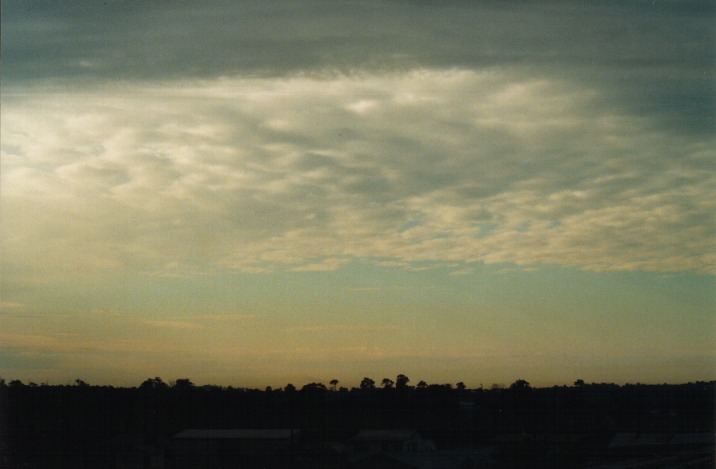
306	172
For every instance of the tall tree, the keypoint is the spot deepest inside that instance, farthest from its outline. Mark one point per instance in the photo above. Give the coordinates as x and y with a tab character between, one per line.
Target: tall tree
520	385
153	383
183	383
367	383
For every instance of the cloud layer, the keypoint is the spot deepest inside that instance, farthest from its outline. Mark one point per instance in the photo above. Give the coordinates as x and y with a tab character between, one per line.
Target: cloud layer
653	57
307	172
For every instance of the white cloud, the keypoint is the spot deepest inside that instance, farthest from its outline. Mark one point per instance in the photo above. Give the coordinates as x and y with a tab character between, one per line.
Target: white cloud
173	324
304	173
330	263
331	328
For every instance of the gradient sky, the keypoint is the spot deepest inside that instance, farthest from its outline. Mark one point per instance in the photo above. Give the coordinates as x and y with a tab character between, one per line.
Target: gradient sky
257	193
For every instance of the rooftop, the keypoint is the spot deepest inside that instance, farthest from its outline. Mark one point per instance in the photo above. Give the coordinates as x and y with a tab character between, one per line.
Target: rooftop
236	434
384	435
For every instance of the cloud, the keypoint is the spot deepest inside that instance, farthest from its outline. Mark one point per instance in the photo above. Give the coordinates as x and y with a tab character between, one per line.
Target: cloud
330	263
64	343
655	58
6	306
299	174
344	328
226	317
173	324
460	272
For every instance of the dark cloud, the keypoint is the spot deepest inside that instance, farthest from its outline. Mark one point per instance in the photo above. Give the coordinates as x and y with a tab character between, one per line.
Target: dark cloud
158	39
654	57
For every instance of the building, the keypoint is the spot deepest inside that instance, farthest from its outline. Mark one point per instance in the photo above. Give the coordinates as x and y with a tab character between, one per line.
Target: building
376	441
215	448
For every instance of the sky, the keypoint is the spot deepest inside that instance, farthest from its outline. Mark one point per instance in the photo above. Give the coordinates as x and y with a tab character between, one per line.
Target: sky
257	193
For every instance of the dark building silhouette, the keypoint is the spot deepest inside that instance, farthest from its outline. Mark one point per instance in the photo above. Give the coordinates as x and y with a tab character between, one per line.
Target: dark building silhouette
246	448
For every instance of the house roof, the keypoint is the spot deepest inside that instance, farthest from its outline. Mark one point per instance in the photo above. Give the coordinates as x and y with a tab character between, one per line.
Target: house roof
427	460
424	460
693	439
384	435
623	440
511	438
235	434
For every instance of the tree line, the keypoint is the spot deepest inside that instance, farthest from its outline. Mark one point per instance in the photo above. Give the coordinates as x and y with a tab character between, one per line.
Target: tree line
74	418
401	382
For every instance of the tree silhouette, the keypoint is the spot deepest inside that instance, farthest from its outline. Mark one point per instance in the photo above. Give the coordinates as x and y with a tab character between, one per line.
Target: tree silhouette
313	387
387	383
334	382
183	383
367	383
401	381
520	385
153	383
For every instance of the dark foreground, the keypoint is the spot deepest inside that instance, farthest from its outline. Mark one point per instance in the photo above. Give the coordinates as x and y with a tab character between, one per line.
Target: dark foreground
398	426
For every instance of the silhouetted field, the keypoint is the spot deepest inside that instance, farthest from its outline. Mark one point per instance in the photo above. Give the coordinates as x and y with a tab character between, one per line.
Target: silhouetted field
584	425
